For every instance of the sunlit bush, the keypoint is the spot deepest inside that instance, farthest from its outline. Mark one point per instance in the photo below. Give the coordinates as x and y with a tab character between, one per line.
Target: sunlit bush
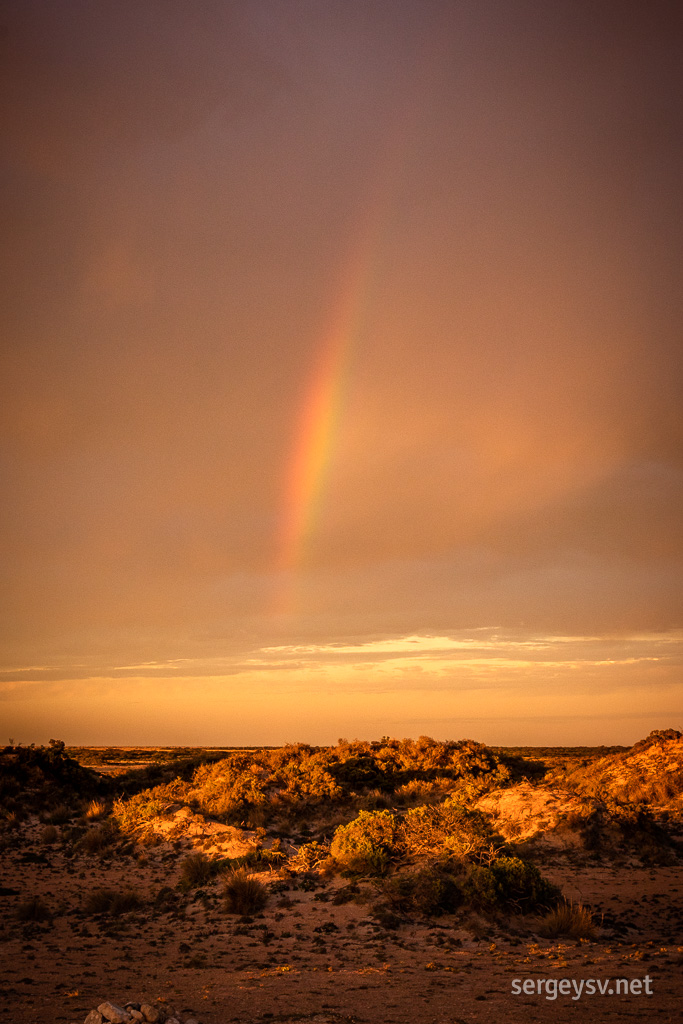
367	843
136	810
448	828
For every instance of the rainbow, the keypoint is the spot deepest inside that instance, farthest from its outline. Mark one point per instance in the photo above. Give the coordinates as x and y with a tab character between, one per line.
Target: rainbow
320	412
316	427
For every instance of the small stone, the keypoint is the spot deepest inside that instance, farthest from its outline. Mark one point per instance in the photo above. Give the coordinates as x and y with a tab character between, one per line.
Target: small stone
172	1020
191	1020
136	1015
150	1013
93	1018
114	1014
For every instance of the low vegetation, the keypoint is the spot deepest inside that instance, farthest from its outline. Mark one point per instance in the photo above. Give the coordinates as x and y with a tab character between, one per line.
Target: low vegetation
34	909
296	783
243	894
95	810
196	869
568	919
112	902
414	829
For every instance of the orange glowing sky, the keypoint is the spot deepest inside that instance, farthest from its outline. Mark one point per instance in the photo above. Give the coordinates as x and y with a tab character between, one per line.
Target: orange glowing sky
341	371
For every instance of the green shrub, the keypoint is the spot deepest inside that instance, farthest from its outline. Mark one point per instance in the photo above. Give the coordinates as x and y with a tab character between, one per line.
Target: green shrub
448	828
244	894
431	892
137	810
366	844
510	884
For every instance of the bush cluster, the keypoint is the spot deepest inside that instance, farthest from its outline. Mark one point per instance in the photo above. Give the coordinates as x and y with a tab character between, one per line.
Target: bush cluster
294	783
508	884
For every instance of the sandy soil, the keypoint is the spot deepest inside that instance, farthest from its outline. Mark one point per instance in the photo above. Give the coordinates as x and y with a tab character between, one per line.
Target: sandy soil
307	957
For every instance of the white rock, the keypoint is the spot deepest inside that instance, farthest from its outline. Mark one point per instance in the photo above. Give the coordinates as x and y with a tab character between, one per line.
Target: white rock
113	1013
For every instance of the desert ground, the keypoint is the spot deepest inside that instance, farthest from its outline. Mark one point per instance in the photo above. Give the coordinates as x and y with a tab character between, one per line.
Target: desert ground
379	882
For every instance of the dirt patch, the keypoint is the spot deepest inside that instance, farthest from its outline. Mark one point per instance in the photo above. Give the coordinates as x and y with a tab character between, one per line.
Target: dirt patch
314	953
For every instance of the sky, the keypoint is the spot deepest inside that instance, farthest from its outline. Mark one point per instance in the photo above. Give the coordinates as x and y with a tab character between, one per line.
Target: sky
341	351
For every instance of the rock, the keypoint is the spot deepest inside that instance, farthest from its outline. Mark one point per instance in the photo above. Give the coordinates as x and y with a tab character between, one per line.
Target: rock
136	1015
191	1020
172	1020
93	1018
150	1013
114	1014
132	1006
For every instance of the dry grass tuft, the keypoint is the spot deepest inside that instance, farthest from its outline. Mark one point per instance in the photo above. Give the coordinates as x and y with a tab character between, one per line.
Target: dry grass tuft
59	815
195	870
97	840
49	835
34	909
95	810
244	894
107	901
572	919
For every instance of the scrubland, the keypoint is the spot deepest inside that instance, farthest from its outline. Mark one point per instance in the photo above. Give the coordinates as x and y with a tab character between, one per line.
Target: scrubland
390	880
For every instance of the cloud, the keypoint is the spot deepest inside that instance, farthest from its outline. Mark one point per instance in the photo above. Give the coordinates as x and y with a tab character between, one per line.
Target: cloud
185	189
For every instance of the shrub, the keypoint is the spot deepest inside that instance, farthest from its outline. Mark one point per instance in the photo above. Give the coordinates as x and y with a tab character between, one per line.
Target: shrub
571	919
10	819
254	858
97	840
49	835
59	815
34	909
510	884
98	902
421	791
375	799
309	856
137	810
366	844
107	901
124	902
431	891
196	869
451	828
244	894
96	809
